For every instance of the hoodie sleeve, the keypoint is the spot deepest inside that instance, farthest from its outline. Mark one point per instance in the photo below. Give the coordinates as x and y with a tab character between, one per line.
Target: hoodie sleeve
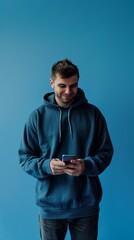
103	150
31	159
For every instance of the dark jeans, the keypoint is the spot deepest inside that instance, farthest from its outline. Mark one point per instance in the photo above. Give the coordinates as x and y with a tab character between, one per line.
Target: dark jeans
80	228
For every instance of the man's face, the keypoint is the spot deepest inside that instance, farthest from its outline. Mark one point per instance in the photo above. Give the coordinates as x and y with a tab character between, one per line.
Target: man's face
65	89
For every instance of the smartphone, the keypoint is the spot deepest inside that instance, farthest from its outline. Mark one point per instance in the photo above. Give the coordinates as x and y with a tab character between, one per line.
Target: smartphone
68	158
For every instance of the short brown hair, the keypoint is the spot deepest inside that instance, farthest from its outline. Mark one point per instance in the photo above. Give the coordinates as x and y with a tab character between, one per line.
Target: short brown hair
65	68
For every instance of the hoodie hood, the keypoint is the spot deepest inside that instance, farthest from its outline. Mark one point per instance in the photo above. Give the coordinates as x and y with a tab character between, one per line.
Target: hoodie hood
79	100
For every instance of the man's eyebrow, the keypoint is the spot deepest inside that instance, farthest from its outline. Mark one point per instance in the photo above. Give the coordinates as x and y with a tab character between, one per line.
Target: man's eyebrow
61	84
71	85
76	83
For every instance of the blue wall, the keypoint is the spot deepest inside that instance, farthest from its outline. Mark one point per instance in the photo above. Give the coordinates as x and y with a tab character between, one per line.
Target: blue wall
98	36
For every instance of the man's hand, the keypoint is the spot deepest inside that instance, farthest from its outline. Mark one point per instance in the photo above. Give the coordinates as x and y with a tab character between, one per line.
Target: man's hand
57	166
75	168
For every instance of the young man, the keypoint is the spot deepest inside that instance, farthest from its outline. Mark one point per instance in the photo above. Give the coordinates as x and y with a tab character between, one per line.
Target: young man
67	193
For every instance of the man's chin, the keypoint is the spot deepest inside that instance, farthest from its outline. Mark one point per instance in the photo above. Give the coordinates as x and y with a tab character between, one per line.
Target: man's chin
68	99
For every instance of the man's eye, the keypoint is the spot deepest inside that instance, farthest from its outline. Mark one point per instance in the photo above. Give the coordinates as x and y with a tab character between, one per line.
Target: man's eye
75	85
62	86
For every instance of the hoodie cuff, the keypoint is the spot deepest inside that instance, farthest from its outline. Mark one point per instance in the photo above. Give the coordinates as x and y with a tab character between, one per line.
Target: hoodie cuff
46	166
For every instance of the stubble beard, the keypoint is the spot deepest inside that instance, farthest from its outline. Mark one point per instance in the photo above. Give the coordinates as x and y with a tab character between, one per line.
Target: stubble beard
65	102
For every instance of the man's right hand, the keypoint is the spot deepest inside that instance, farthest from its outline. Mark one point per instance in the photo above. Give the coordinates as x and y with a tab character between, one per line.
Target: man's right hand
57	166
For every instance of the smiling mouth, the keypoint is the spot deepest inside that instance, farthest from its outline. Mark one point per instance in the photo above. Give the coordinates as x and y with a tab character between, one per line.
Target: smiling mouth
67	97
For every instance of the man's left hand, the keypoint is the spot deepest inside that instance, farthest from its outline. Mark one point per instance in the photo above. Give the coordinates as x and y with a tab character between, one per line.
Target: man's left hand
75	167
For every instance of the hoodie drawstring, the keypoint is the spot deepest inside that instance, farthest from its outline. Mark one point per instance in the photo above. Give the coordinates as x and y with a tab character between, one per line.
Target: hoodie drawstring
69	123
60	124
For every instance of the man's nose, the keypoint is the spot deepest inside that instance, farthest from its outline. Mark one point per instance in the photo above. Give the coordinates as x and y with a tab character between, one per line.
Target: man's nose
68	90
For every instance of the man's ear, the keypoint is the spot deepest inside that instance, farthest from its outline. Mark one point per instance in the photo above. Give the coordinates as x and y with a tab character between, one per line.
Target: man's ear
52	83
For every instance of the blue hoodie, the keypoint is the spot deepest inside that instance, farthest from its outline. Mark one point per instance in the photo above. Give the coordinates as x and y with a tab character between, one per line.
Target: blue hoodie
52	131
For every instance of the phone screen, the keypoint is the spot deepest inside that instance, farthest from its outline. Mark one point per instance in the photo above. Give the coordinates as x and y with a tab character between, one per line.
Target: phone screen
68	158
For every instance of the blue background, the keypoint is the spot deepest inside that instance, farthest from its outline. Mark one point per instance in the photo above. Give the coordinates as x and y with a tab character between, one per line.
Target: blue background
98	36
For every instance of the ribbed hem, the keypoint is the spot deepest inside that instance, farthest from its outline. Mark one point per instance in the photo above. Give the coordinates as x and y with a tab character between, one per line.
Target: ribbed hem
68	213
